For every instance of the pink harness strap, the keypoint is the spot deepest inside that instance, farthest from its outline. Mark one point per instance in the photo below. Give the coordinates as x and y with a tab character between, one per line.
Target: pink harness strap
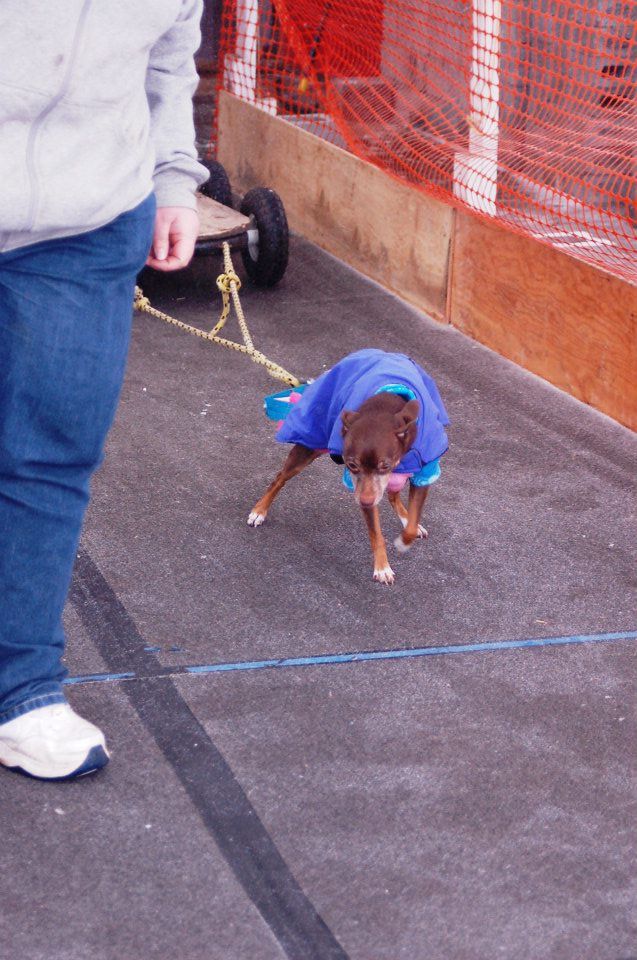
397	481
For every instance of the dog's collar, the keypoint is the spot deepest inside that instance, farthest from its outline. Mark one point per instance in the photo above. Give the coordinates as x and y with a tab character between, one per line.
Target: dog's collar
399	388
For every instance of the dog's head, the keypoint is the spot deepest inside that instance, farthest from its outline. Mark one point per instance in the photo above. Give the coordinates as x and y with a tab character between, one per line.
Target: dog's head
374	442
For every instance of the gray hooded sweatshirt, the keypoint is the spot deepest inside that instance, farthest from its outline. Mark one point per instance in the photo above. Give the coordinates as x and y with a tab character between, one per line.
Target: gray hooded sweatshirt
95	112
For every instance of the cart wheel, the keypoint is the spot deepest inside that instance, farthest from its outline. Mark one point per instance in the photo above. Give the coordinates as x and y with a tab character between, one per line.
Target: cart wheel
266	257
218	186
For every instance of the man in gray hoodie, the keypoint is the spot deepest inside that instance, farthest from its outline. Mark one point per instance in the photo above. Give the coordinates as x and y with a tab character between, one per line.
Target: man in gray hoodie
98	173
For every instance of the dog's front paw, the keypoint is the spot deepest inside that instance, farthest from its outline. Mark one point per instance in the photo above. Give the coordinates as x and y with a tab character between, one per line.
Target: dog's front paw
256	519
384	575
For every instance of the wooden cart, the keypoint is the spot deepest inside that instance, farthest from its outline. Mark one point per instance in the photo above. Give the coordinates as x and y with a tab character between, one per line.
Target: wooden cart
258	229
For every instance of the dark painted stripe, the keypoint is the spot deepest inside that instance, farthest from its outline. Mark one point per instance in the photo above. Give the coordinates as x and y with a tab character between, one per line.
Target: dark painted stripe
359	657
209	781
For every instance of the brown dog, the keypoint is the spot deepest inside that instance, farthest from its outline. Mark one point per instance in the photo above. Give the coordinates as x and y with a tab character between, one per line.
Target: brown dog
376	437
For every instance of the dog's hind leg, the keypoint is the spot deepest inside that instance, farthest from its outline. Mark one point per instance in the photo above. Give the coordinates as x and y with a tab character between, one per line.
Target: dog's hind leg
297	459
417	497
400	511
398	507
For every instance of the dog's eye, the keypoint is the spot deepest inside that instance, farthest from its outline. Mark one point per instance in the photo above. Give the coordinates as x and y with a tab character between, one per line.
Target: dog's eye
352	467
384	467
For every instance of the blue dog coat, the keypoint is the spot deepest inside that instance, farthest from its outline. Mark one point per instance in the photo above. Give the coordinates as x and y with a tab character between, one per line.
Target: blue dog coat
315	421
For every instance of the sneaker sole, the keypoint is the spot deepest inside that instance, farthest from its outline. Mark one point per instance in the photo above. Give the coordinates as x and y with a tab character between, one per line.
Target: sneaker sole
95	760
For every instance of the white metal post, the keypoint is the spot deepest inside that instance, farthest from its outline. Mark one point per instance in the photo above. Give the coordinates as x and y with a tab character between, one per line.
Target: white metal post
241	67
476	172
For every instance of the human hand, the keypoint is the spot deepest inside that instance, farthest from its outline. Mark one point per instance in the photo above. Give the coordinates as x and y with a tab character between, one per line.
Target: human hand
176	230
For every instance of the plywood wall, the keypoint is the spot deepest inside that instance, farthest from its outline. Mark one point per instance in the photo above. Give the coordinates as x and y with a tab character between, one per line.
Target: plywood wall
389	232
562	319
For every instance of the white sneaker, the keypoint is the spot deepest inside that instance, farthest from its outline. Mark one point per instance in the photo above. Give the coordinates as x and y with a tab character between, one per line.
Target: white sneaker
52	743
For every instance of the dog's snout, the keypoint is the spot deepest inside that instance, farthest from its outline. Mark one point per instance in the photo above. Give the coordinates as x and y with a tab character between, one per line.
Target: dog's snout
368	495
369	490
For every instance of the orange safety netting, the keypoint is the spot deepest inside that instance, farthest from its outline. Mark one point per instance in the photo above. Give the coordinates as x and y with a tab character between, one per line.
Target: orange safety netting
520	110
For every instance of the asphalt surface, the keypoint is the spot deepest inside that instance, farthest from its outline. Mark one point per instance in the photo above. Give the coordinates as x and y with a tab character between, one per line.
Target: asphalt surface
454	792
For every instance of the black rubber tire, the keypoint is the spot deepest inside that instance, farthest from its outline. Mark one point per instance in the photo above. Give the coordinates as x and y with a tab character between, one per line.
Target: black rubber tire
266	266
218	186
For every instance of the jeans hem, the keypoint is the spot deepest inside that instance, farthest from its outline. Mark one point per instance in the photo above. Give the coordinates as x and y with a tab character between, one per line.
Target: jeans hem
33	703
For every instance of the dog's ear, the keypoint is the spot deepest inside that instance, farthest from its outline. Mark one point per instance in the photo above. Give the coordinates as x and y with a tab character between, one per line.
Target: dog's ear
407	418
348	417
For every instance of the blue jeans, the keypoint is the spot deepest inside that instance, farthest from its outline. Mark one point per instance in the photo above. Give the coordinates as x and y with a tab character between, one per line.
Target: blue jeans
65	319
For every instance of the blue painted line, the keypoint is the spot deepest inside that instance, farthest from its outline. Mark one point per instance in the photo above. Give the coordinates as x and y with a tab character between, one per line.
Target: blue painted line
99	677
411	652
362	656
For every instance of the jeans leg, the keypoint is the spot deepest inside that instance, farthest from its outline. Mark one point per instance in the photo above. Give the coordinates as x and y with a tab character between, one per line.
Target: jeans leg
65	317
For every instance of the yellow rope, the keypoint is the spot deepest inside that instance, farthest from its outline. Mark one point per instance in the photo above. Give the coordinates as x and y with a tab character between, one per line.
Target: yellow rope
229	285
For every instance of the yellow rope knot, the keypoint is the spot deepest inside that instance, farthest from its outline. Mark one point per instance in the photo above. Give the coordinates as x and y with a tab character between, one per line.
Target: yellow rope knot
140	302
225	281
